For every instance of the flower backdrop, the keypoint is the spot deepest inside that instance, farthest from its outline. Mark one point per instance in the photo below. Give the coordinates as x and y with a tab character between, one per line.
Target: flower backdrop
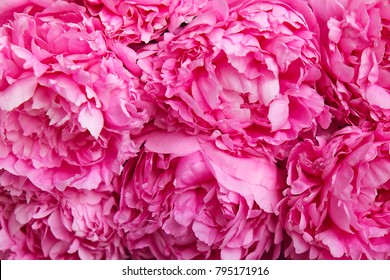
195	129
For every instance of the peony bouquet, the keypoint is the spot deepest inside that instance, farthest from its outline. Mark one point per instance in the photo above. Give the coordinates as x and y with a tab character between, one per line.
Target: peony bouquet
194	129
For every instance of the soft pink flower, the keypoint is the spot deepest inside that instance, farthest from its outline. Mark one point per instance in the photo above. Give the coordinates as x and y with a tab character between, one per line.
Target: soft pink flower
135	21
67	105
186	199
338	202
245	72
355	42
71	224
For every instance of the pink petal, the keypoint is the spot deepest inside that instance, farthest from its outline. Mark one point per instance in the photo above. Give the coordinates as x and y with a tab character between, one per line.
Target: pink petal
30	61
24	213
300	244
278	114
331	239
6	240
340	214
231	253
92	119
57	228
204	232
17	93
127	56
269	88
343	72
210	88
334	30
255	178
378	96
177	143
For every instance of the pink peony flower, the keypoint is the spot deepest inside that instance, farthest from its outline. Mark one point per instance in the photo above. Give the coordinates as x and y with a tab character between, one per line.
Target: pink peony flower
356	49
337	205
186	199
245	72
135	21
71	224
68	106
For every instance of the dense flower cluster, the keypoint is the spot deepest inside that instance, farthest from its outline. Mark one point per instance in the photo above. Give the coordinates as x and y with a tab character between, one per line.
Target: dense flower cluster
194	129
135	21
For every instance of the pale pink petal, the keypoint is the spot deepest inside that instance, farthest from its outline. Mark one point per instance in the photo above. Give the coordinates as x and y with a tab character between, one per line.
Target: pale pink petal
91	119
378	96
172	143
278	114
17	93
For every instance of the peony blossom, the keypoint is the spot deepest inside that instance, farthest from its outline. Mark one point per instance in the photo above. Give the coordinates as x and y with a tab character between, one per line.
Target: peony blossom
136	21
337	205
68	106
355	41
61	225
243	72
183	198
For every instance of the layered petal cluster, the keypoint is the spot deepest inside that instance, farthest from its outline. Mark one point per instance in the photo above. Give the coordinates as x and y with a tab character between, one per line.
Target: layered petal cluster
186	199
9	7
68	106
71	224
244	71
355	42
136	21
337	205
